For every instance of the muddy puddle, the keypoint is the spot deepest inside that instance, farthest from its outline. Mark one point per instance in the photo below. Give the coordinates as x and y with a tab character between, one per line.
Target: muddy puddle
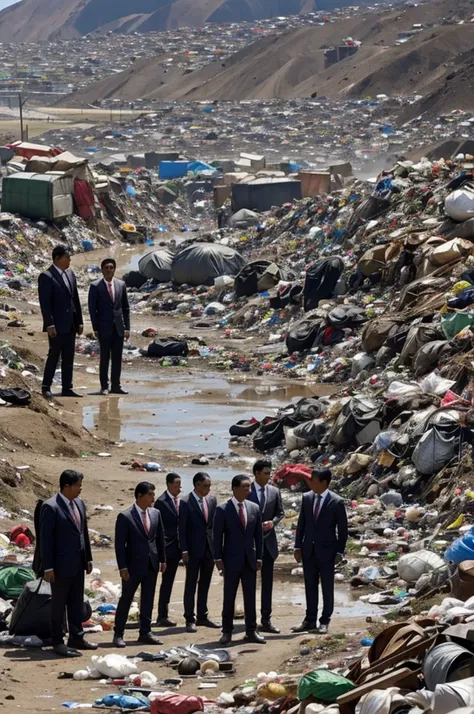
190	414
346	603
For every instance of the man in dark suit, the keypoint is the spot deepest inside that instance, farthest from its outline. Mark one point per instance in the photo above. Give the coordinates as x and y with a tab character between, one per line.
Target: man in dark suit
196	520
140	552
66	555
110	317
321	537
62	320
168	505
238	551
268	499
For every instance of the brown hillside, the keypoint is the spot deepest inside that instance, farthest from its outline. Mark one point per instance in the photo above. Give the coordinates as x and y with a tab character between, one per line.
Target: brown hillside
293	64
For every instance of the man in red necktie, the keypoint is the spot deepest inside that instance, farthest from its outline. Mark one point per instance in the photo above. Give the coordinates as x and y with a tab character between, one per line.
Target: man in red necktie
238	551
141	555
321	537
196	520
65	557
110	316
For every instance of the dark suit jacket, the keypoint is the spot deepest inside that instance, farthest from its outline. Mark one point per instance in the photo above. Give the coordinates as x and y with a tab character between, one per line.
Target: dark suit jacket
59	307
169	518
134	549
105	313
233	544
195	535
273	511
63	548
328	536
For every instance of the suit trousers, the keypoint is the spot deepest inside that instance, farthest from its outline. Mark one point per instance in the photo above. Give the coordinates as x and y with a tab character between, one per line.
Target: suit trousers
61	346
266	586
314	572
67	595
147	582
167	582
248	577
198	575
111	349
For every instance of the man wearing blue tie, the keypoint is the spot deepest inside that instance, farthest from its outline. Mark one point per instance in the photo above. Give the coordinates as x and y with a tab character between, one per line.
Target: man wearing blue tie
268	498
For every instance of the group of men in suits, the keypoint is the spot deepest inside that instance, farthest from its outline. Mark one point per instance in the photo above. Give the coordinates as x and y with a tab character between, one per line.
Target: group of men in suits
154	535
62	319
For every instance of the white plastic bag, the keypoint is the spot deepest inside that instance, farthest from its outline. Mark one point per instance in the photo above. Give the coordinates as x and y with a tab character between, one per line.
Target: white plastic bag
434	384
413	565
459	205
114	665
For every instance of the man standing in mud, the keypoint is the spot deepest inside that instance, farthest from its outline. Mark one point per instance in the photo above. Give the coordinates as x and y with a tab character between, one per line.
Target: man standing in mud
141	555
62	320
268	499
110	317
196	520
238	551
168	505
66	556
321	537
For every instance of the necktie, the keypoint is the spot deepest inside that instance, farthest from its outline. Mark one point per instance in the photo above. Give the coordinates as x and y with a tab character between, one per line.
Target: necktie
262	498
176	503
75	515
242	514
317	508
146	525
203	507
110	289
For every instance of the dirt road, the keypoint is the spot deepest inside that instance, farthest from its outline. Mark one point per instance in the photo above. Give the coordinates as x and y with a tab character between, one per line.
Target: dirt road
170	416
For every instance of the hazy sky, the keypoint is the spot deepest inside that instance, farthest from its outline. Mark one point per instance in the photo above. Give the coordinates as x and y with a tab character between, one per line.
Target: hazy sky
6	3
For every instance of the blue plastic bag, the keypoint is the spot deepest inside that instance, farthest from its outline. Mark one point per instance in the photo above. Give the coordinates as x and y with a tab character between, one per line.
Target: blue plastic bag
120	700
462	549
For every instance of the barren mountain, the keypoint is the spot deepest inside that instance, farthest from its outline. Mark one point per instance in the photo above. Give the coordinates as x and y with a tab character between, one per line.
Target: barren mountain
294	65
37	20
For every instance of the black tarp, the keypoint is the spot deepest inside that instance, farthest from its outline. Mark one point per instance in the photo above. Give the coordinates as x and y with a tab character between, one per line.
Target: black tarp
321	280
201	263
156	265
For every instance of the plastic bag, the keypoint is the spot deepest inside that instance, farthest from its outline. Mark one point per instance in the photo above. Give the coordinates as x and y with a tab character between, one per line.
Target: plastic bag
459	205
176	704
12	580
322	684
114	665
434	384
413	565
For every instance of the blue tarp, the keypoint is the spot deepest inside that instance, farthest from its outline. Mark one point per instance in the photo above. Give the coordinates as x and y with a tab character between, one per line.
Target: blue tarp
173	169
179	169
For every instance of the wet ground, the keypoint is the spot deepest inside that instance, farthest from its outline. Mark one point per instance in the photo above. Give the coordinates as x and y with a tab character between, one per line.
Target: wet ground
186	413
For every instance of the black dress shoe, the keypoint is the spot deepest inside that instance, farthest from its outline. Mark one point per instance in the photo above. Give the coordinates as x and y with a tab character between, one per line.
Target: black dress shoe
191	627
47	394
82	645
118	390
304	627
71	393
165	622
255	638
268	627
206	622
225	640
149	639
119	642
65	651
